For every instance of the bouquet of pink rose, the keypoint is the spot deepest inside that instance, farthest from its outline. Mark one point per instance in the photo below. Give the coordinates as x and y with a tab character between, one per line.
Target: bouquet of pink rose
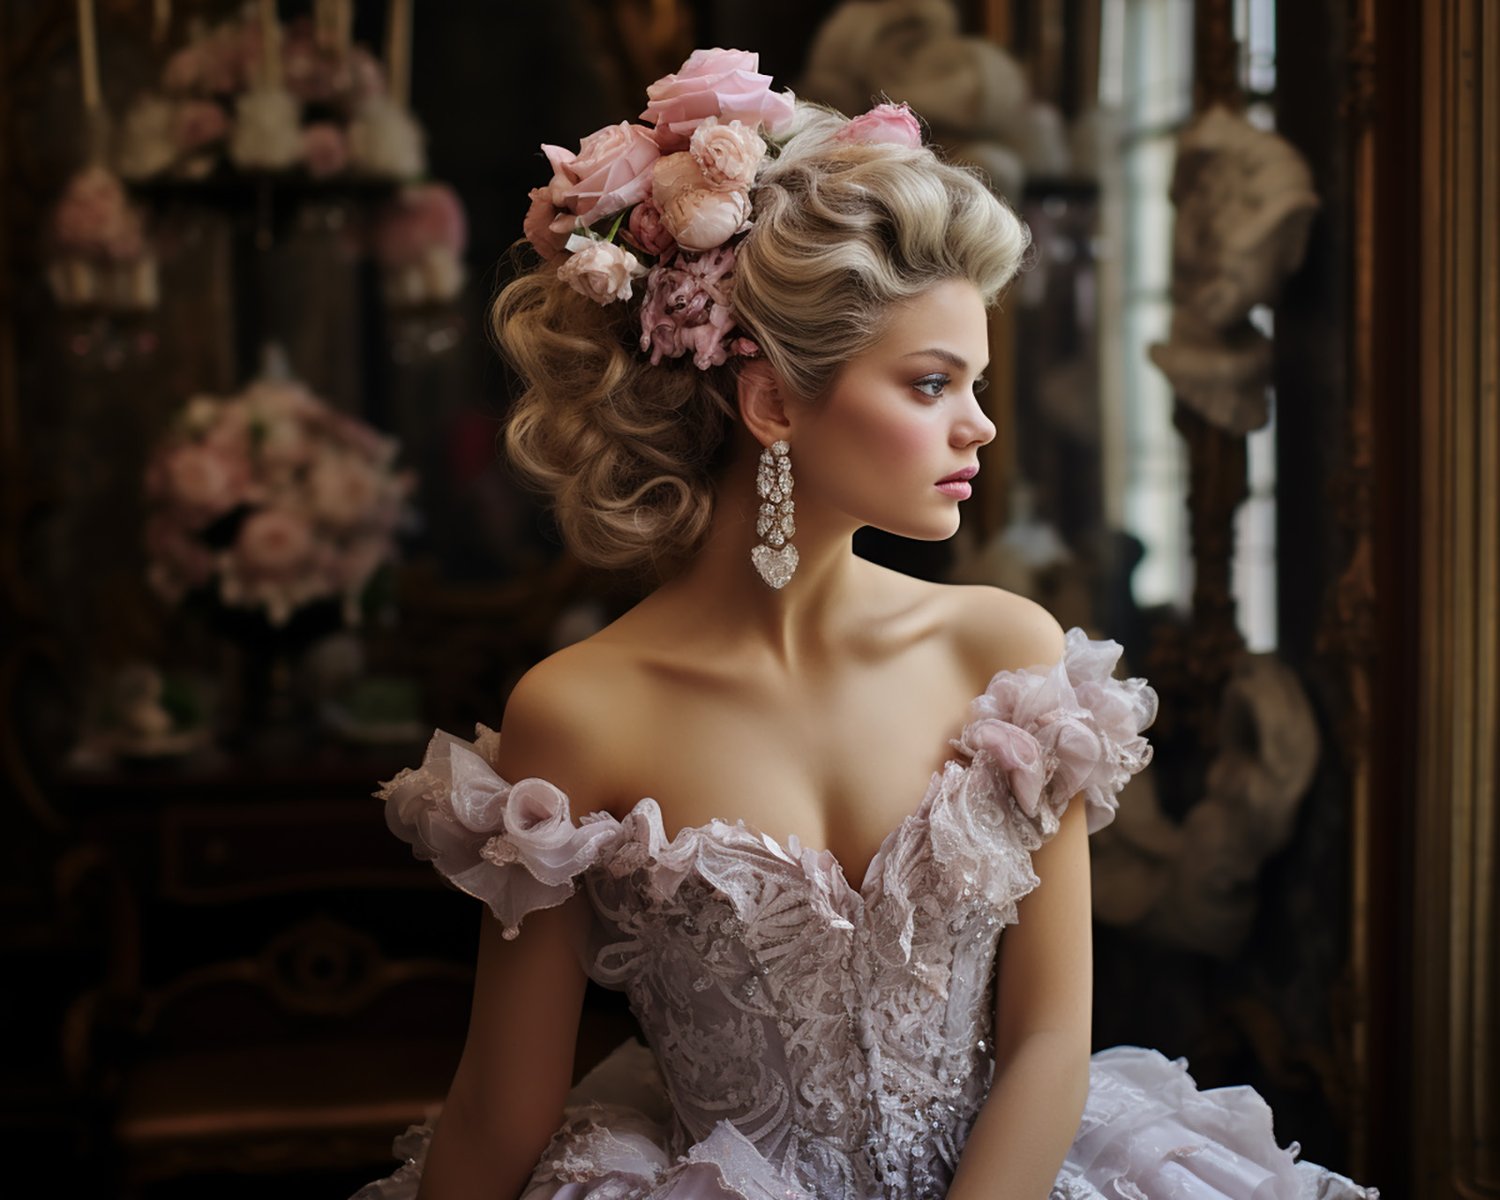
278	499
668	201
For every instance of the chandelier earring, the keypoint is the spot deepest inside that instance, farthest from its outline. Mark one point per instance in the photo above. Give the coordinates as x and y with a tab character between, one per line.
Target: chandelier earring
775	558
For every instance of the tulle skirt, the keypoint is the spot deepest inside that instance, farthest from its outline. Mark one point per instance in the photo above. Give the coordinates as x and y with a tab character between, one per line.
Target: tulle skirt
1147	1133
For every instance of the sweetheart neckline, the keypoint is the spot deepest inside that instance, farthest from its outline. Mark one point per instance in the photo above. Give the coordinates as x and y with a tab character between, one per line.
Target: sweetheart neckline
782	848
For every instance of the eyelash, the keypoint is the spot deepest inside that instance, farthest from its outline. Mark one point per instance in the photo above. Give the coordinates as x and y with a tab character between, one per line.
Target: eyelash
980	383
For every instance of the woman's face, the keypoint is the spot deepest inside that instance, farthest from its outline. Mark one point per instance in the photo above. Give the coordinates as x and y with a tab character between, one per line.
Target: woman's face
901	417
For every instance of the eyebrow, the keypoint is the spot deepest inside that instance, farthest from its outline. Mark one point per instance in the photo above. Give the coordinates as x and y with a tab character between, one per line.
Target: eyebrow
947	356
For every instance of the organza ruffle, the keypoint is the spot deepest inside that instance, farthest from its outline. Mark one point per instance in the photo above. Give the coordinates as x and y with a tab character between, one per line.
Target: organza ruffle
1147	1133
1034	739
1048	734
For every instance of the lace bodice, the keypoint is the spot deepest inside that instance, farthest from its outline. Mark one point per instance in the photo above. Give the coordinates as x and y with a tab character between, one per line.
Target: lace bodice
811	1038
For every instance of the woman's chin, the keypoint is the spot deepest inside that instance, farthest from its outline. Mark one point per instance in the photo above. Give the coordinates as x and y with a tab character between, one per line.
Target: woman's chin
934	529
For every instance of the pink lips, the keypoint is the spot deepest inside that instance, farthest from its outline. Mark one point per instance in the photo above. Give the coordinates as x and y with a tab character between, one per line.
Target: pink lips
957	484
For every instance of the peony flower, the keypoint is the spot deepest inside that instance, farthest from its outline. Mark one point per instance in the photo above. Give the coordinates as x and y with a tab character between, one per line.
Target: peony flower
325	151
673	175
611	171
647	231
727	154
602	271
702	219
714	83
274	542
888	124
687	308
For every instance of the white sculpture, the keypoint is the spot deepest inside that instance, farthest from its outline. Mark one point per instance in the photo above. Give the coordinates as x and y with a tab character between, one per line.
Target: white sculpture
1193	885
972	94
1245	205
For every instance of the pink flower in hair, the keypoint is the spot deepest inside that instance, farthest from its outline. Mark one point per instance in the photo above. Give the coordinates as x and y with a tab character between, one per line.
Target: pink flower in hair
714	83
890	124
610	172
698	215
687	308
540	225
646	230
727	153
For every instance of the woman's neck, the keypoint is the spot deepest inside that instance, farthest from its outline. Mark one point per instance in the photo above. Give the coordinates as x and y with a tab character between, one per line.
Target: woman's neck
799	622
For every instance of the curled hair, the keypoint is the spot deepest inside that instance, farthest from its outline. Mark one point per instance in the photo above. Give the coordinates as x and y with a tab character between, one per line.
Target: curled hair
628	453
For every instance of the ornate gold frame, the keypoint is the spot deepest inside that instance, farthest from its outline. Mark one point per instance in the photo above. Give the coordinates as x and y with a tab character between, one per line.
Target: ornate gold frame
1455	1060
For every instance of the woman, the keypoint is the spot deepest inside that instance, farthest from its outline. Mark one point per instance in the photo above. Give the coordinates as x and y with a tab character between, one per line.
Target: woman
756	327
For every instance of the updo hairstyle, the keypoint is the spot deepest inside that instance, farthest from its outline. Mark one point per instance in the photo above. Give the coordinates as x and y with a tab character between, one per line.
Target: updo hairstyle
629	453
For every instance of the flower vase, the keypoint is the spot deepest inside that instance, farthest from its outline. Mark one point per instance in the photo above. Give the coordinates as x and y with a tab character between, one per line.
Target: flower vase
272	714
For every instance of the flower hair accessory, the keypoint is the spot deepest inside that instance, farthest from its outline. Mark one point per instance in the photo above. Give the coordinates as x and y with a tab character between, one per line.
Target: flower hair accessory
668	201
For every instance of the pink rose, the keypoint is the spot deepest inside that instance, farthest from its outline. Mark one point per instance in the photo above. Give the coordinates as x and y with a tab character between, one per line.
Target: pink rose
197	123
647	231
611	171
602	271
687	308
889	124
342	490
539	225
325	150
701	219
274	542
203	481
727	154
714	83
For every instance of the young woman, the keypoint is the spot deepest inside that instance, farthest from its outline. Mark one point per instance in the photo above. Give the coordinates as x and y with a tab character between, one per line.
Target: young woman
789	802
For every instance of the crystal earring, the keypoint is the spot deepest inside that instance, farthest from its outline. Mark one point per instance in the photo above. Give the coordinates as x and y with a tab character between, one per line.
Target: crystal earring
773	482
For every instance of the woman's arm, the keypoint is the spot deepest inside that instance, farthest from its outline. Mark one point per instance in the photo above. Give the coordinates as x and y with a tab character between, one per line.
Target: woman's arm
1043	1010
506	1098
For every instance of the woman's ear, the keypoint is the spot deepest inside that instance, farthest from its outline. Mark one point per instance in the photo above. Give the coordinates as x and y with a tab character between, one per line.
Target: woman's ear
763	402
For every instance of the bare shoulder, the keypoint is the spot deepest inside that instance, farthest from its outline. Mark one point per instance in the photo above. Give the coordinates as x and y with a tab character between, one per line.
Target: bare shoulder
556	724
998	630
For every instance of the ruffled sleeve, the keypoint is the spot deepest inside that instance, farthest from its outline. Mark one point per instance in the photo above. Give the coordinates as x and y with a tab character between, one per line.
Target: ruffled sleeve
1048	734
514	846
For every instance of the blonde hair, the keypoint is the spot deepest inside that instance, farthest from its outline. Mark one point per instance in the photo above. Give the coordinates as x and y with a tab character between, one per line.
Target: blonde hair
627	453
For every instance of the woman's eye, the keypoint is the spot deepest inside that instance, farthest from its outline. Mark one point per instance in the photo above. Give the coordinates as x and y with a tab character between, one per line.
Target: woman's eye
980	383
934	382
